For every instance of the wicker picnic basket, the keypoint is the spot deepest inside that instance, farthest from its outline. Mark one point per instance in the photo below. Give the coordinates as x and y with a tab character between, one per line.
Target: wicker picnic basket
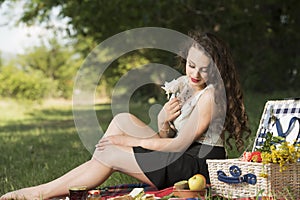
233	178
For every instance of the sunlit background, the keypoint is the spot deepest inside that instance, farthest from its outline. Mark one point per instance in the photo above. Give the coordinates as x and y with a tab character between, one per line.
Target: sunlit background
44	43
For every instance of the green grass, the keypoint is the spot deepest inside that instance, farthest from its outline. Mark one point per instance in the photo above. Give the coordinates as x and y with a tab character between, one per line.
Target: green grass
39	142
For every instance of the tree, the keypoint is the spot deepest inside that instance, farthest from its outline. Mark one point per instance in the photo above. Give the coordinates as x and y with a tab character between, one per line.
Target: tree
1	63
56	62
16	83
262	34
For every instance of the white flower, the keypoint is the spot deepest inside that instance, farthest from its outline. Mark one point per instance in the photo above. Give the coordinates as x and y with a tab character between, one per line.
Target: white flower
173	87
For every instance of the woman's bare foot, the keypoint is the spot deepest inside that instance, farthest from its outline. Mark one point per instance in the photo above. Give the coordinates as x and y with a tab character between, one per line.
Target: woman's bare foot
22	194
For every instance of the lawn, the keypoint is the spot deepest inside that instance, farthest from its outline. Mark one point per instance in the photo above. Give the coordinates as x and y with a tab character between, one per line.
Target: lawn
39	142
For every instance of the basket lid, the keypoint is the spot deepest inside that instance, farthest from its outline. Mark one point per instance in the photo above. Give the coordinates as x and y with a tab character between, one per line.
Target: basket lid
281	118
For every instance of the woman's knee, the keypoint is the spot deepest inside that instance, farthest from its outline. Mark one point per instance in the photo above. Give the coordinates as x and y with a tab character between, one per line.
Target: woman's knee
123	120
115	157
106	156
129	124
121	117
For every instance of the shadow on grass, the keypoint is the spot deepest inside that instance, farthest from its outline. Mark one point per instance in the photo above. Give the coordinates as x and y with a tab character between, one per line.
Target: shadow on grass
43	147
54	119
46	145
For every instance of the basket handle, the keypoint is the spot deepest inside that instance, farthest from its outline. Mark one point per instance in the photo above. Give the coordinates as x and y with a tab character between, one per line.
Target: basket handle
279	128
236	177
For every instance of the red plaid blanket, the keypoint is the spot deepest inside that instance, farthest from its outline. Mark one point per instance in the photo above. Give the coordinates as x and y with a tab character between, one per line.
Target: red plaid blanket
118	190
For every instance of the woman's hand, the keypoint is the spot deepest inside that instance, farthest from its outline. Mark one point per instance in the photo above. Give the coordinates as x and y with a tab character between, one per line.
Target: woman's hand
121	140
171	110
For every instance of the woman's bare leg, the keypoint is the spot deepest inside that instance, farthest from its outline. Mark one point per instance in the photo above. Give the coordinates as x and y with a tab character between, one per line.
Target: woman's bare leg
99	168
128	124
90	173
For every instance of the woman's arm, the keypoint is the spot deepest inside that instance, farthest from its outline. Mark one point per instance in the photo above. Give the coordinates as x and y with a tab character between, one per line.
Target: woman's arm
167	130
196	125
166	116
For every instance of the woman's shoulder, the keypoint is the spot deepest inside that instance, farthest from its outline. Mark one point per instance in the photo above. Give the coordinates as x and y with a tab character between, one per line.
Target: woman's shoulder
207	93
210	88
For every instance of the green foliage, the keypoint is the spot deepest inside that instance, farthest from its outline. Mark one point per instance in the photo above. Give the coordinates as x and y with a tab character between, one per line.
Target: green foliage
20	85
56	62
269	141
263	35
42	71
1	61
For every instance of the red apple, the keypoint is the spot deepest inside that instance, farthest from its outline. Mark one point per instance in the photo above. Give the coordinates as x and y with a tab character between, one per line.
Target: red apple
197	182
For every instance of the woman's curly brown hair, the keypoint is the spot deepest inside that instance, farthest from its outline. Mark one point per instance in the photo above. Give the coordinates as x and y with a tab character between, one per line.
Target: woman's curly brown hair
236	121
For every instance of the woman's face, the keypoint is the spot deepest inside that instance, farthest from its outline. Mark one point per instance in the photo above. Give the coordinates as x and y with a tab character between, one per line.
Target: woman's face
197	67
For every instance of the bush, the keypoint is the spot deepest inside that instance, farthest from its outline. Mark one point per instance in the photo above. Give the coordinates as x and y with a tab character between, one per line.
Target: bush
18	84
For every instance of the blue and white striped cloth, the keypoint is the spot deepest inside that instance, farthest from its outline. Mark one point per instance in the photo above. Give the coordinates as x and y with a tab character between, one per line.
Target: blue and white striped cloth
279	110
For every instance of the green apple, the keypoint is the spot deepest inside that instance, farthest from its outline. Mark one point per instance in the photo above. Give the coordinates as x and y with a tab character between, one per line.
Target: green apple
181	185
197	182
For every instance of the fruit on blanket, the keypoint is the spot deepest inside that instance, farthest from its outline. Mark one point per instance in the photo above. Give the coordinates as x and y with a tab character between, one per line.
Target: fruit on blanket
137	193
197	182
148	197
123	197
181	185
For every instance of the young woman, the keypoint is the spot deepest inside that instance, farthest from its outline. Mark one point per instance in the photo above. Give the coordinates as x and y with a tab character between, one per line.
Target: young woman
191	124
